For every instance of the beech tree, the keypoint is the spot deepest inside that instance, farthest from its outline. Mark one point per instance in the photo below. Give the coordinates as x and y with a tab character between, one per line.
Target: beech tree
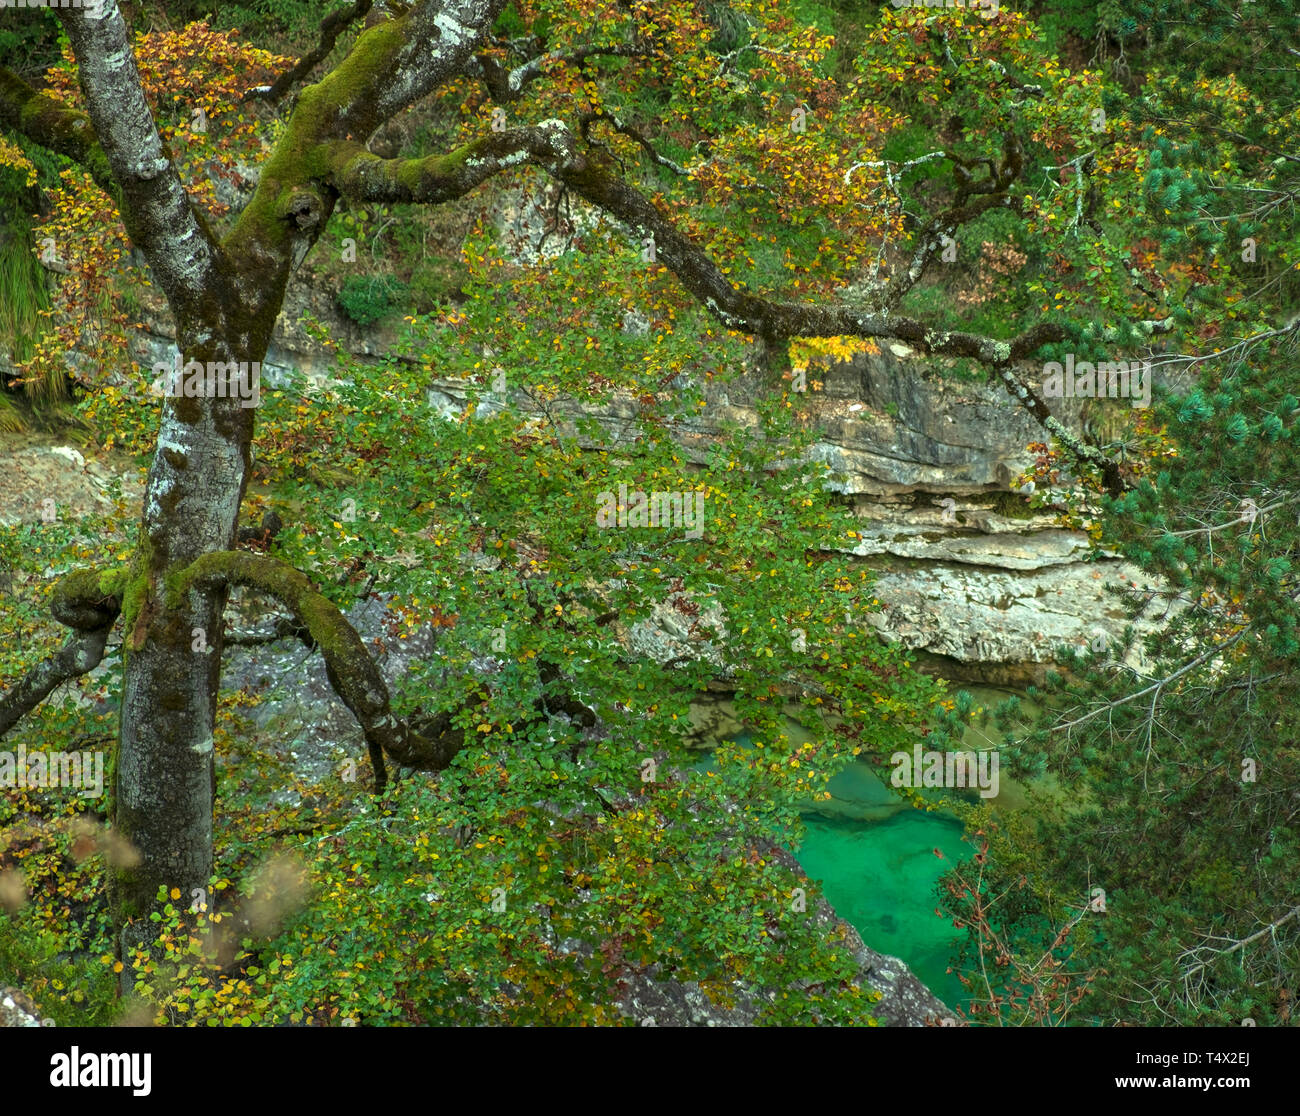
749	114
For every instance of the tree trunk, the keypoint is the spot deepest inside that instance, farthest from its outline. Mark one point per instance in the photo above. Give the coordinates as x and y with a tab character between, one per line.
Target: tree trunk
165	773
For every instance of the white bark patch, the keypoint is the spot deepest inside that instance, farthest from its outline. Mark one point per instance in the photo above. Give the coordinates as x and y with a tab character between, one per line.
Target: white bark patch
165	443
451	30
163	222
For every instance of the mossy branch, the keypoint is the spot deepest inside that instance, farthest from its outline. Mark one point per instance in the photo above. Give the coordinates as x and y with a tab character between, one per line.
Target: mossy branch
551	146
360	175
56	127
1075	446
86	602
348	665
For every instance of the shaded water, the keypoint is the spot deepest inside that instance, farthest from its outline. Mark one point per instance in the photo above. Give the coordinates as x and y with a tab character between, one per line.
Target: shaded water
875	857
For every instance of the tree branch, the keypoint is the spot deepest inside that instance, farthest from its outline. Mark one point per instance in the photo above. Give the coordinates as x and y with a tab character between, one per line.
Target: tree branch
81	604
553	147
359	174
56	127
1080	450
158	214
283	627
348	665
632	133
331	27
1155	688
1240	944
389	67
403	59
505	85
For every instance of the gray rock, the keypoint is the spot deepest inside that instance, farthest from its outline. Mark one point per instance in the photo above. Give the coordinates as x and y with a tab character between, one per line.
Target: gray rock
18	1010
540	222
54	483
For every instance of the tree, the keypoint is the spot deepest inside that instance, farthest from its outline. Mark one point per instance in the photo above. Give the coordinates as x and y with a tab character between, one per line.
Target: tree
987	108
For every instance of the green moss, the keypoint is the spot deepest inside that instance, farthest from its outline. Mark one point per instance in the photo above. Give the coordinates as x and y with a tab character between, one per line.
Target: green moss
135	591
110	781
126	896
349	666
80	602
373	54
1012	505
80	585
112	583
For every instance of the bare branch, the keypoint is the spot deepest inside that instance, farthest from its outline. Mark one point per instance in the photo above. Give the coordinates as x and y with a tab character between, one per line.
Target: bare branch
80	655
633	133
509	85
1276	924
1080	450
1155	688
331	27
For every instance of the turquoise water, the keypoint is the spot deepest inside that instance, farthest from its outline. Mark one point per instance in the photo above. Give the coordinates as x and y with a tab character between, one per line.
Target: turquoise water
880	877
874	856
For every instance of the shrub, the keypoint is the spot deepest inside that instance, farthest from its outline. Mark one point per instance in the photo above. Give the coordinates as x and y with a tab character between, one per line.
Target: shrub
367	298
